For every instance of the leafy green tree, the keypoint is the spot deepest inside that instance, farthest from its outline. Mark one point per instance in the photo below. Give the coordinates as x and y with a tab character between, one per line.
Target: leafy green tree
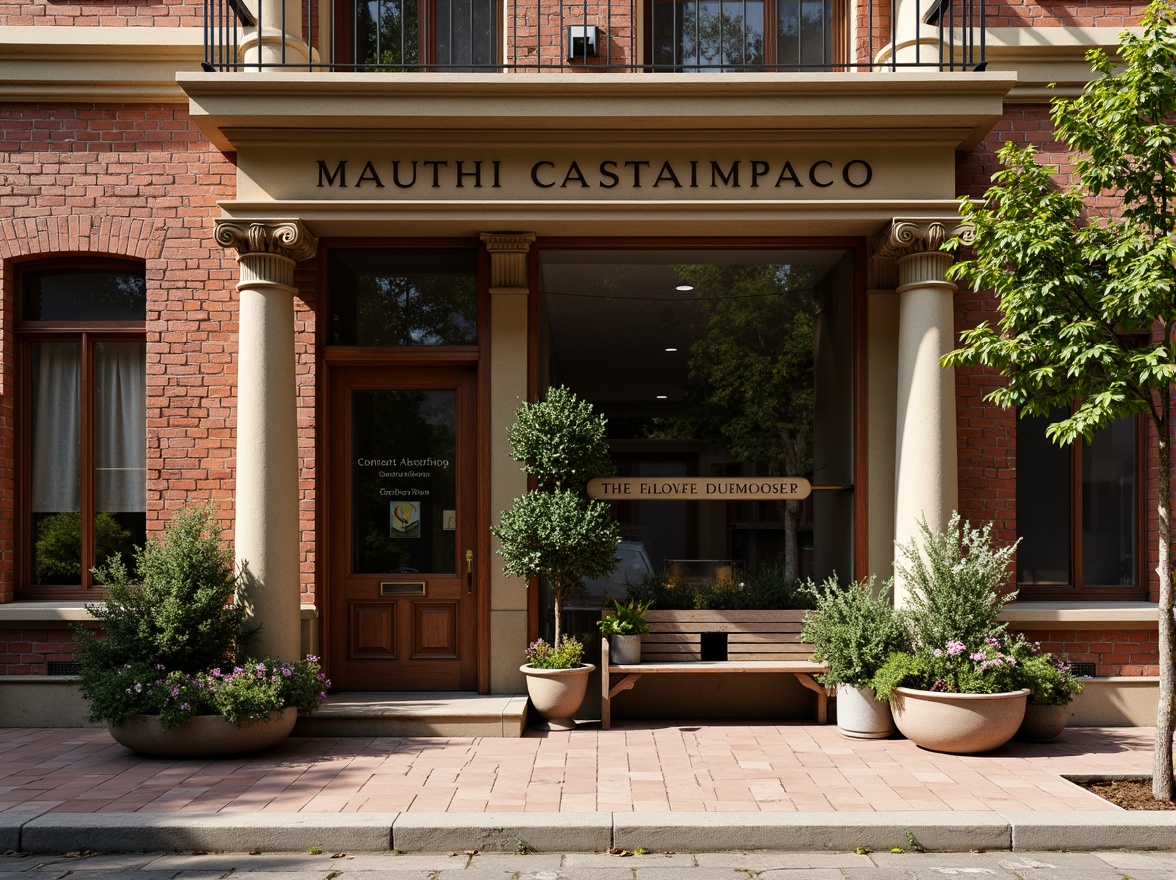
556	531
1086	281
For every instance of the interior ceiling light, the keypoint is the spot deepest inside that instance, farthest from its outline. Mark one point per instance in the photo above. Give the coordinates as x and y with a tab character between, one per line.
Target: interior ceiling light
671	349
684	287
662	396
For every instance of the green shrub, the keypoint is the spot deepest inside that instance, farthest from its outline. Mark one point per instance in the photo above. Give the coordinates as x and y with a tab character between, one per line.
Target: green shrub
854	630
1050	680
566	655
627	619
764	589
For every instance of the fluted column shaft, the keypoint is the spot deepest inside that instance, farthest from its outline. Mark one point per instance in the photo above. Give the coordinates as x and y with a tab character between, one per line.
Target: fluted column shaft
267	534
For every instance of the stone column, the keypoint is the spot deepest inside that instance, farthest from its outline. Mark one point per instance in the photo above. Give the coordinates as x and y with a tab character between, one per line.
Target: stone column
925	475
275	38
509	312
881	396
267	534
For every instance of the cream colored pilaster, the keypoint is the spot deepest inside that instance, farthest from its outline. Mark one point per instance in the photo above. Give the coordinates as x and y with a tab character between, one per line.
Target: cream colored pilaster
267	530
915	42
276	37
509	310
882	394
925	475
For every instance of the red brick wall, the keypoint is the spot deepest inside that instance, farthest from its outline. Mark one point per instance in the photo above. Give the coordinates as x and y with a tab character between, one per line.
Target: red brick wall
142	181
166	13
29	649
1018	13
1113	652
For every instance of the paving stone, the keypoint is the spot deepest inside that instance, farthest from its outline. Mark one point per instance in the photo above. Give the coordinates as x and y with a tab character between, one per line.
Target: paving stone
512	862
692	874
649	860
105	862
801	874
768	861
1128	861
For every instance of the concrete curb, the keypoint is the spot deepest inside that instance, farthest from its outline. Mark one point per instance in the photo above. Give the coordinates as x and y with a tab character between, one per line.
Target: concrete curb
503	832
720	832
586	832
1089	831
187	832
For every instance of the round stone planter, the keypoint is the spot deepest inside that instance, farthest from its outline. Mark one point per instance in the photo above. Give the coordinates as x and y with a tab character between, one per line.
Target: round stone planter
962	724
624	650
557	694
202	736
1043	723
861	715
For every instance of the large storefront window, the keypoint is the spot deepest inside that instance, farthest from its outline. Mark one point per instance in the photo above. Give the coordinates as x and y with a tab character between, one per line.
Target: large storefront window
84	363
726	35
1078	513
713	363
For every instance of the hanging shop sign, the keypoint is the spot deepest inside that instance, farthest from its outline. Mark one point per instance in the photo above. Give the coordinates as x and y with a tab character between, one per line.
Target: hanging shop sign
699	488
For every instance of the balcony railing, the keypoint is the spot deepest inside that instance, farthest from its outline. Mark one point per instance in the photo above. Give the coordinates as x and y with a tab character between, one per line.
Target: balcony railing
592	36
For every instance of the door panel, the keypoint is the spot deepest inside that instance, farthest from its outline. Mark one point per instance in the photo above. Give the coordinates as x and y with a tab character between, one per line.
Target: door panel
403	611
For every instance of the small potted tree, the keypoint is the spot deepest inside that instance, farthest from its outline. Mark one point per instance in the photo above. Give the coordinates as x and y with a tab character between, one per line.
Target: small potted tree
557	533
854	630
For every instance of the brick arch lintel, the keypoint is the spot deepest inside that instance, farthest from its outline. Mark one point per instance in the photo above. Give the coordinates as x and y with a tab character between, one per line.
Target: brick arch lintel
137	237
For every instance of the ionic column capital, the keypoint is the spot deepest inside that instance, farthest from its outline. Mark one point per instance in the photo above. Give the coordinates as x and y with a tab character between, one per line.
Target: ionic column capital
508	259
281	238
904	237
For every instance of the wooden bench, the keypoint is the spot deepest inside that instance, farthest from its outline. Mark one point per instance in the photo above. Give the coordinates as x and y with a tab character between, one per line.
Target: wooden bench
756	641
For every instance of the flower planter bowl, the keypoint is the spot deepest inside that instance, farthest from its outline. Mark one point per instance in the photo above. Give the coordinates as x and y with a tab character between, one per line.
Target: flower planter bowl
624	650
961	724
202	736
861	715
1043	723
557	694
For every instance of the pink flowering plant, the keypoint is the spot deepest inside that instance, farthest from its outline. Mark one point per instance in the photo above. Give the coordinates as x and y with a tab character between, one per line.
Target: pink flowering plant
568	654
172	641
996	665
242	694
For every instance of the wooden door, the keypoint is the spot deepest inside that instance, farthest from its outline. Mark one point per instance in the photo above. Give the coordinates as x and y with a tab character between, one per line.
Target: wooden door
402	595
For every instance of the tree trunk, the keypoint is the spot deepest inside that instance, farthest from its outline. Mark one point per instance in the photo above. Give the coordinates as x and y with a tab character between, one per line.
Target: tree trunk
1162	764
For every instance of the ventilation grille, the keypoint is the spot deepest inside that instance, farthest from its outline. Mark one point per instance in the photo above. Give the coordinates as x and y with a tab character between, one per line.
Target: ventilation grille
1082	670
64	667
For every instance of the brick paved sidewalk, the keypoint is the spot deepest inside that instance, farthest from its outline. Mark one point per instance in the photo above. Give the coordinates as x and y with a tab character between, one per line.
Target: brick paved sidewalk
635	767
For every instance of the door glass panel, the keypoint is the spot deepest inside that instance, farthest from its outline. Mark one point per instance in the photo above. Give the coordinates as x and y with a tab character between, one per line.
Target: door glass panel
403	479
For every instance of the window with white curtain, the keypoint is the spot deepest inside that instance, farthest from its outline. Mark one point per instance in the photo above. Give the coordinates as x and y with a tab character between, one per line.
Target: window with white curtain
83	348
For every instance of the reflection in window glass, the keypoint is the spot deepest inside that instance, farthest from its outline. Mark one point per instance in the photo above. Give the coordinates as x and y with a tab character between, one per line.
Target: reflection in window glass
1108	506
712	363
696	35
804	33
83	295
402	297
1043	505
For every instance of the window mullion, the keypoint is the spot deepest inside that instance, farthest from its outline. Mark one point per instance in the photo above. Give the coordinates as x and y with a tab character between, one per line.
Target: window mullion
1077	517
86	456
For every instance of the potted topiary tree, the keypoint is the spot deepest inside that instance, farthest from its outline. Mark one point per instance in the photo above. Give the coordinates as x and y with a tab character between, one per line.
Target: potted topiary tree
854	630
557	533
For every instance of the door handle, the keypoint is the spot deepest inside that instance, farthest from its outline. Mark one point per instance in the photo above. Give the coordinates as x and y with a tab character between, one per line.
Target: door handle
469	571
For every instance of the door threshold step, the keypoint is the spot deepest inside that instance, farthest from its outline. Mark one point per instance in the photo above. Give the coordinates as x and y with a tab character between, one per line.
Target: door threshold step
417	713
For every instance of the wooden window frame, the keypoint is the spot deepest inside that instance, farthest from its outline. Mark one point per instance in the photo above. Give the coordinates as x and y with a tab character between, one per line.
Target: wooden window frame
87	334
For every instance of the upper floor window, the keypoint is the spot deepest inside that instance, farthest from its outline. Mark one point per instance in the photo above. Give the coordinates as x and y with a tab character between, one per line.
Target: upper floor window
733	35
1078	513
410	35
83	417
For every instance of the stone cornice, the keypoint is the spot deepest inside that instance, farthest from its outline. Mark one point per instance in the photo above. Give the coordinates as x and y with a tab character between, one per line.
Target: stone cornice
97	64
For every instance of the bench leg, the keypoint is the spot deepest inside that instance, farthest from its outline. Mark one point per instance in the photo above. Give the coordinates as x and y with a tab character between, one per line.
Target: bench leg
822	696
605	697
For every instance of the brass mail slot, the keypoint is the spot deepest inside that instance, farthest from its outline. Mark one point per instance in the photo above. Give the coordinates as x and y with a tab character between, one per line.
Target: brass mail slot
396	588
